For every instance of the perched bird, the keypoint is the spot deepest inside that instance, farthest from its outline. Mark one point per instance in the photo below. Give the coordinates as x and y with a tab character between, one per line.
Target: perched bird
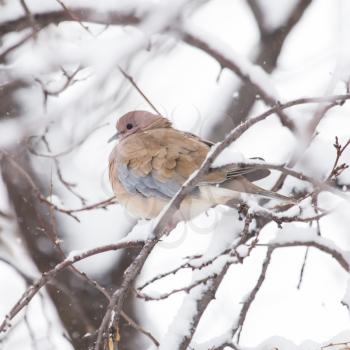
152	160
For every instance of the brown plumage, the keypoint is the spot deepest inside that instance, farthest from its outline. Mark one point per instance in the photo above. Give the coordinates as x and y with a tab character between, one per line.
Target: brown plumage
152	160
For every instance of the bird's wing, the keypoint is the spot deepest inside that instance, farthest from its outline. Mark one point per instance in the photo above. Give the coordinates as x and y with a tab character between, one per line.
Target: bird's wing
157	162
251	173
207	142
231	171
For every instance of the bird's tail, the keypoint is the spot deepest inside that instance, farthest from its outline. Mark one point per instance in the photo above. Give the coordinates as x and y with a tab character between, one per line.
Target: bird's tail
241	184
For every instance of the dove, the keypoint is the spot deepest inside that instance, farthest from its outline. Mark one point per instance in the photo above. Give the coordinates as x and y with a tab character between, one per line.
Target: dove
152	160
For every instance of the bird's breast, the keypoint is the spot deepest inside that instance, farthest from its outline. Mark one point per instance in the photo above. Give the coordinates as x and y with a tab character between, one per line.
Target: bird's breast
136	204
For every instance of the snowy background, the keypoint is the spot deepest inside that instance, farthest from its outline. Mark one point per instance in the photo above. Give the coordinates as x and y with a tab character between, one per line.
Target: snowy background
61	93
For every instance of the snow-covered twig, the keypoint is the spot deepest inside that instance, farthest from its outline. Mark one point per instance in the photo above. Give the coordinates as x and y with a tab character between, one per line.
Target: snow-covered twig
186	289
49	275
335	252
249	73
70	212
85	14
251	296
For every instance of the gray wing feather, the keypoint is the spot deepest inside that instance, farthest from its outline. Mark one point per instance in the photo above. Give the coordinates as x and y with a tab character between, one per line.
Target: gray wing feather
148	186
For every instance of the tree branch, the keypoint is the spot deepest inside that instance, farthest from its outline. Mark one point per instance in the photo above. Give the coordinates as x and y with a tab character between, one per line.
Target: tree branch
84	14
246	72
49	275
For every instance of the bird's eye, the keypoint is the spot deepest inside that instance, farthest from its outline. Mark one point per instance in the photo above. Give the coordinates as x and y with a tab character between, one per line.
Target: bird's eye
129	126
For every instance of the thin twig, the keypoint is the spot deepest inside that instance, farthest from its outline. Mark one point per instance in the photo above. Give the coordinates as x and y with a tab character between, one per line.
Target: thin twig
17	45
133	83
336	253
301	276
30	17
49	275
251	297
185	289
338	169
64	152
74	17
259	15
136	326
70	212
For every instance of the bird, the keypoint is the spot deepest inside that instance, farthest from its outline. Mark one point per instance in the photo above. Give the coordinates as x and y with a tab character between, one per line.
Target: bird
152	160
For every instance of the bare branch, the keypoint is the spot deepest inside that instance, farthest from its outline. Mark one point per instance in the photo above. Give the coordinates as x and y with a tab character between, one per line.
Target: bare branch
133	324
70	80
17	45
61	153
70	212
301	276
48	276
319	115
337	254
334	252
208	294
30	17
338	169
133	83
73	16
225	60
335	344
259	16
268	51
84	14
191	264
251	297
28	279
185	289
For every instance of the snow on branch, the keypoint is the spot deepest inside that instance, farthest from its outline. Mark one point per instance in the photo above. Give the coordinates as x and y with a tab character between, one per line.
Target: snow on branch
249	73
291	236
46	277
252	74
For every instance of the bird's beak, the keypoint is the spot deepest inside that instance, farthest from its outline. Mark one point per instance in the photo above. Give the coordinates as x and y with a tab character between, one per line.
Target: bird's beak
114	137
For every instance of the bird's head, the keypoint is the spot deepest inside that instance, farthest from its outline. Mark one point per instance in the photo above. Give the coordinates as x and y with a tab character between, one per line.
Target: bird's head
136	121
